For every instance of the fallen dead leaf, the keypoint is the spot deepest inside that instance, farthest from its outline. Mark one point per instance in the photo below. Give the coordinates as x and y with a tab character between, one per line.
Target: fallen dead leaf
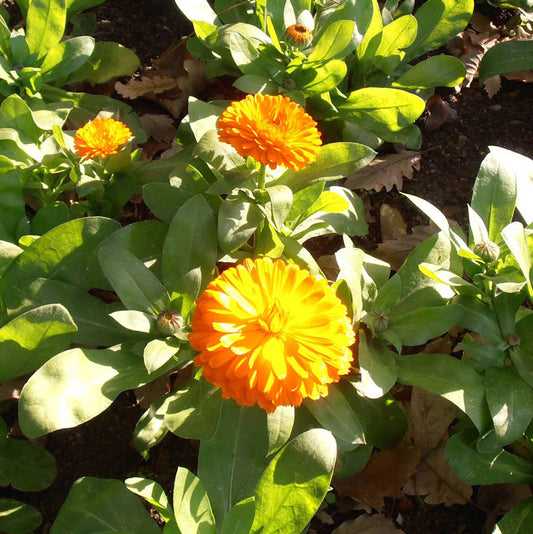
492	85
368	524
386	171
159	126
383	476
392	223
147	87
497	499
394	251
440	112
429	418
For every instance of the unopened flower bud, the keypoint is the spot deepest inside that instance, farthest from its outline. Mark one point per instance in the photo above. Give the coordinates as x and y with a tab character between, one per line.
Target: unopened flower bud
169	322
299	35
488	250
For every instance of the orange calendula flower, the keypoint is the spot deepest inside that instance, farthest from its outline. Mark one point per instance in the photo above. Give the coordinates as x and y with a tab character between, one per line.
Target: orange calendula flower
101	137
272	334
272	129
299	35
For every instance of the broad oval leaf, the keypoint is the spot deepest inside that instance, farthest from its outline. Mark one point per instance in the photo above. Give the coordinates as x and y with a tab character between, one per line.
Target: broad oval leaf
102	505
294	484
17	517
66	57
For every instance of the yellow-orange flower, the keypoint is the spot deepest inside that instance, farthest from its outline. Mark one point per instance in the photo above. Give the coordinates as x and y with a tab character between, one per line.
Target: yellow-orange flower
299	35
272	129
101	137
272	334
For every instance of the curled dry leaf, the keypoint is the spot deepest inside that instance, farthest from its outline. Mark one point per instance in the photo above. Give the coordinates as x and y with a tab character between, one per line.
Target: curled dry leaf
368	524
158	126
386	171
429	418
383	476
440	112
394	251
392	222
175	76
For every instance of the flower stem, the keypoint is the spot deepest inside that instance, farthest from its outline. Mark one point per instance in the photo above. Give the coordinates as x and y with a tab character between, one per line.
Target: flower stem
261	179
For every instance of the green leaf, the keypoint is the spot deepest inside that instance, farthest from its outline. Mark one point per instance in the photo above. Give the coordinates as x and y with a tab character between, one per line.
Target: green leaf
378	367
75	386
237	221
66	57
515	238
435	71
49	217
231	463
279	427
15	113
450	378
17	517
510	402
418	326
518	520
315	80
335	42
335	160
12	206
395	37
89	313
510	56
240	517
157	353
479	318
45	24
198	10
102	505
32	338
138	288
193	412
438	22
190	250
111	60
382	110
150	428
27	466
335	414
164	200
192	508
294	484
65	253
494	194
475	467
153	493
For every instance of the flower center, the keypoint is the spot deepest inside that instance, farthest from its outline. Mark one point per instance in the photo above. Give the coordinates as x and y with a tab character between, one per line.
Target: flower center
300	28
273	320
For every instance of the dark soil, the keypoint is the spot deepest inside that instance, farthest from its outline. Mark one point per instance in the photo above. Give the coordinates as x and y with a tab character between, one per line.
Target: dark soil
451	158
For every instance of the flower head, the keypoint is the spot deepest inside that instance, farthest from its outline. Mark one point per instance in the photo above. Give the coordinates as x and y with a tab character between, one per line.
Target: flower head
299	35
272	334
101	137
272	129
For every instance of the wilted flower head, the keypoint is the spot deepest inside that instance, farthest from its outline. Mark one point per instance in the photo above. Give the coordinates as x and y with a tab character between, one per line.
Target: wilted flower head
272	129
101	137
272	334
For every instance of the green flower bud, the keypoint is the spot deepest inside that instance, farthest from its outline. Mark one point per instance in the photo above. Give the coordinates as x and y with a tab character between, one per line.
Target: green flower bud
489	251
169	322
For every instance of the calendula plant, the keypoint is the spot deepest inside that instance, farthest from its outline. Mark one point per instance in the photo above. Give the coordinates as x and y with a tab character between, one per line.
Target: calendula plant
348	62
36	60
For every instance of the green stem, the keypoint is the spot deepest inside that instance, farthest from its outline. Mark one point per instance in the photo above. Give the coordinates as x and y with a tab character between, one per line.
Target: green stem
261	179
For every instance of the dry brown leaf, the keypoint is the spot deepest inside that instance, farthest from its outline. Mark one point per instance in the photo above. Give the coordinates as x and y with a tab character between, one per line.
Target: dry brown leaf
159	126
492	85
386	172
328	265
10	389
368	524
525	76
394	251
500	498
383	476
392	223
146	87
440	112
436	481
429	418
